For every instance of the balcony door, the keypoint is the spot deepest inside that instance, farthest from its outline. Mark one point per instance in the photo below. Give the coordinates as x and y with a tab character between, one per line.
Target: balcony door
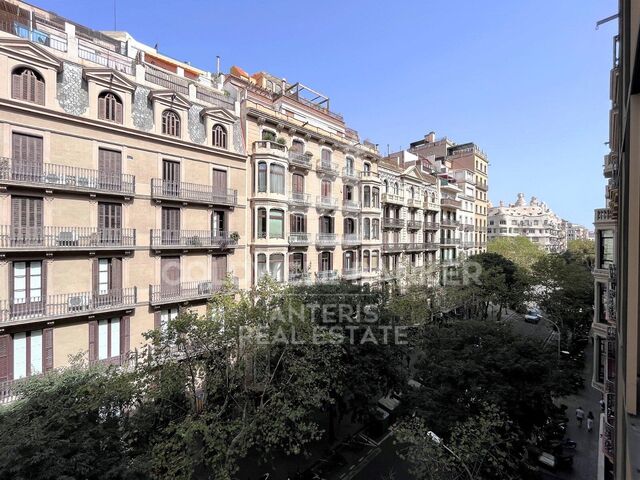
171	178
218	224
27	158
28	285
26	221
219	185
109	169
107	281
170	277
218	269
170	226
297	264
109	223
297	186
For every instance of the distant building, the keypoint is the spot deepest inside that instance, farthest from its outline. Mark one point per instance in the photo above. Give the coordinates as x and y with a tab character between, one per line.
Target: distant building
533	220
578	232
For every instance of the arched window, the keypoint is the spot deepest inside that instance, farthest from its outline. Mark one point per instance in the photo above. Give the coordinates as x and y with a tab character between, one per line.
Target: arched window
375	229
276	266
262	265
366	260
297	146
171	123
276	223
349	260
325	263
396	188
268	135
366	196
277	179
219	135
386	186
375	197
262	223
366	168
366	228
375	257
412	192
109	107
262	177
27	85
349	226
350	166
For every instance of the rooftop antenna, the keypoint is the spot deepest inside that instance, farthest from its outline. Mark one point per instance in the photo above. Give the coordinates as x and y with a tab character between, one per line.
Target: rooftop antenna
217	64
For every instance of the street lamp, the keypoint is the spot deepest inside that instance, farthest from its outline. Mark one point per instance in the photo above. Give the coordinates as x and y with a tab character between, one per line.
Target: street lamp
438	441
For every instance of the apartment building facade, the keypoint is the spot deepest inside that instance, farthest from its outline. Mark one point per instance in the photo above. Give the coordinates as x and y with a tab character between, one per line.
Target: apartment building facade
122	191
533	220
617	234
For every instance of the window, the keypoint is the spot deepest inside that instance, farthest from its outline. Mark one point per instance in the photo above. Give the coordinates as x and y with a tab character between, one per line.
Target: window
218	226
396	189
348	193
28	287
325	189
326	157
166	316
104	267
277	179
219	135
375	197
349	226
326	224
32	353
27	85
108	338
350	166
262	265
269	135
386	186
366	168
606	248
297	185
297	146
366	196
325	262
366	260
262	177
412	192
171	123
276	223
375	258
109	107
366	228
298	223
276	266
262	223
375	229
348	260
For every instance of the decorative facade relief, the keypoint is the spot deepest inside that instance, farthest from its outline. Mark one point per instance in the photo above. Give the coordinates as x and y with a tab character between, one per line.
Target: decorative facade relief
142	113
238	143
72	94
196	126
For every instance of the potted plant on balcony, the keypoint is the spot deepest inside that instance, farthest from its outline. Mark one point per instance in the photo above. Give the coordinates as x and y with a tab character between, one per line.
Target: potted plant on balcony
281	141
234	236
195	241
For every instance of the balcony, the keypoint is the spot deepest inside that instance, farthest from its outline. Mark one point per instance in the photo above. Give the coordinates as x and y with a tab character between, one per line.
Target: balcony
431	226
610	165
326	276
192	193
389	222
351	239
351	206
392	247
414	203
429	205
192	239
370	272
413	246
327	203
467	244
326	167
449	223
65	238
450	202
326	240
414	224
369	176
299	277
350	175
299	199
351	273
602	215
67	305
49	176
392	198
186	291
447	242
431	245
301	160
269	147
299	239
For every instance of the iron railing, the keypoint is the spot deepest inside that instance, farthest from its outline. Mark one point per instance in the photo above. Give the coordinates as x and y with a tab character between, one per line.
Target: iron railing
299	239
102	56
64	177
351	205
446	222
414	224
300	159
350	174
326	275
431	226
185	291
326	202
67	304
192	192
449	241
166	79
351	273
57	41
450	202
193	239
210	96
299	277
351	239
298	198
326	239
22	238
392	222
325	166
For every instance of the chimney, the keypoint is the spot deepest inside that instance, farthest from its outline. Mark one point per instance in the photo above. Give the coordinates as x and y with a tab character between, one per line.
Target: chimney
430	137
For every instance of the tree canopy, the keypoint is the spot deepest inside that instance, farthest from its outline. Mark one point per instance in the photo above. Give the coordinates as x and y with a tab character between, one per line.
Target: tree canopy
520	250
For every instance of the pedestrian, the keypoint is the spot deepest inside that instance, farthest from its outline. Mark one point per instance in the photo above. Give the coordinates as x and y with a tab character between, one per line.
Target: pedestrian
579	416
590	421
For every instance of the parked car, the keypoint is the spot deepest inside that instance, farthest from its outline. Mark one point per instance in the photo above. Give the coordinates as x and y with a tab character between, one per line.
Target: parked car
532	316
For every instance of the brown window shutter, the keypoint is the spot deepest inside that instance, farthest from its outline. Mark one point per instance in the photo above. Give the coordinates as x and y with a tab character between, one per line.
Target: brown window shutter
5	358
116	273
292	223
44	280
119	112
16	87
39	92
93	340
156	319
95	273
102	108
125	335
304	262
47	349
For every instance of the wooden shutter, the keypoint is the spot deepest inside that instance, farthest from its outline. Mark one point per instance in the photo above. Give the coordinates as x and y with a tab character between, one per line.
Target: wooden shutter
6	362
298	183
292	223
170	171
157	319
220	181
93	340
95	274
109	169
116	273
125	335
118	112
16	87
27	153
109	216
170	218
39	91
47	349
102	107
219	273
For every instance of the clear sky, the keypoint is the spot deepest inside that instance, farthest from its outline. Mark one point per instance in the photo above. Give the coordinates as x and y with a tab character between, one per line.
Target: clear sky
528	80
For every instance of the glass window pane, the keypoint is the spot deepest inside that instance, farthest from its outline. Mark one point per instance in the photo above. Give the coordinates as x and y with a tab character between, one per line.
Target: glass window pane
20	355
36	352
115	337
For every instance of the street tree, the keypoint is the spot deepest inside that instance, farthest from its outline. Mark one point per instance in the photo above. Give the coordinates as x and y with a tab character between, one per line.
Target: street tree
520	250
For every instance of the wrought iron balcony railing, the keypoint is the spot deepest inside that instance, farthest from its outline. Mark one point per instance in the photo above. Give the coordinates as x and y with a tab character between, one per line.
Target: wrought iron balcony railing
66	305
65	238
192	193
64	177
326	239
447	222
326	202
301	199
350	174
431	226
193	239
325	166
351	205
299	239
326	275
351	239
351	273
187	291
389	222
414	224
302	160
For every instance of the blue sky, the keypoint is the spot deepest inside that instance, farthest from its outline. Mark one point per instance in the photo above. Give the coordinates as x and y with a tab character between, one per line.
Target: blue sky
526	80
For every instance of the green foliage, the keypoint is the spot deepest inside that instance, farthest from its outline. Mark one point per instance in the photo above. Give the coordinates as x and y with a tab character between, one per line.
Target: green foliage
582	251
520	250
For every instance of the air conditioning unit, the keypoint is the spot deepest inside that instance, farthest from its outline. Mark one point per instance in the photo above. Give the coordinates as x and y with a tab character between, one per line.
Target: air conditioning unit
204	288
78	303
67	238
